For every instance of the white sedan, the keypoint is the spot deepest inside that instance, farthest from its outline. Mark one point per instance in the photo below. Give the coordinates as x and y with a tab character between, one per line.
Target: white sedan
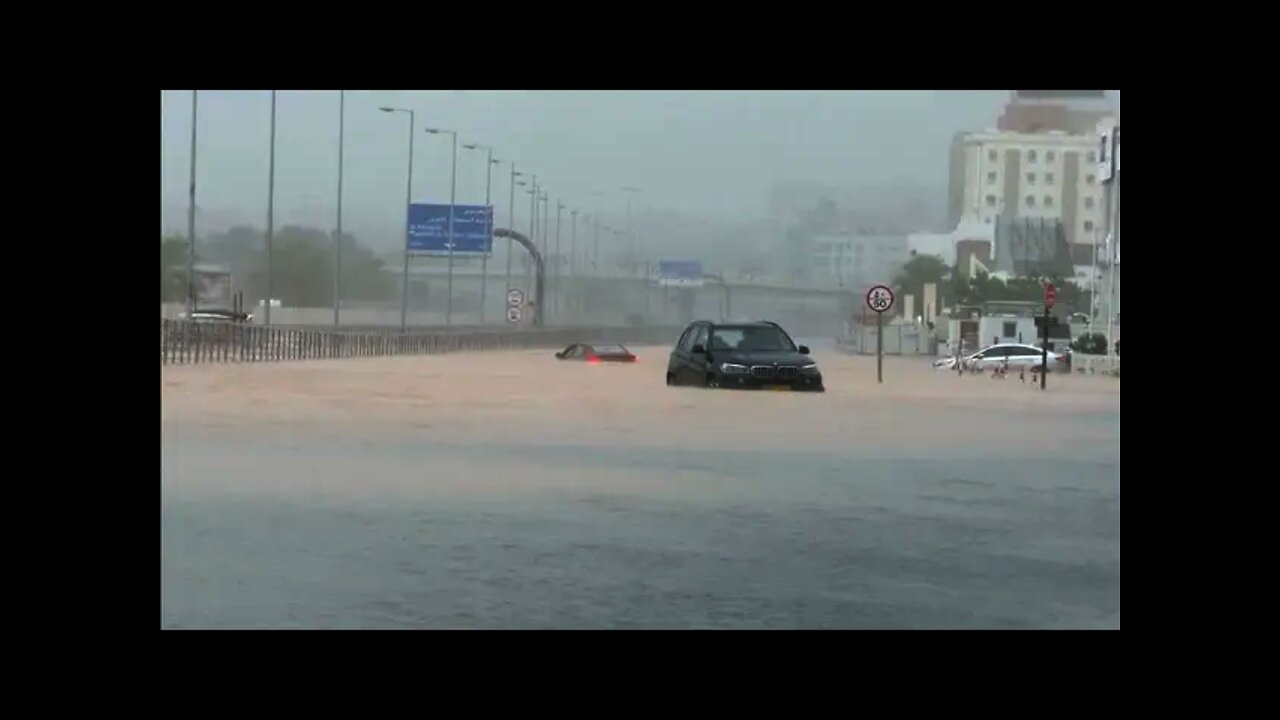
1014	356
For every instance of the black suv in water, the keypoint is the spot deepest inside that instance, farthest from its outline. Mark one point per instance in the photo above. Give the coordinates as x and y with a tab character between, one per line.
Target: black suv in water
755	355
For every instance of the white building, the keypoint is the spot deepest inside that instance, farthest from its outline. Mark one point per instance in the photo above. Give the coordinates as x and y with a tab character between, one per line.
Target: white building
857	261
1052	175
944	244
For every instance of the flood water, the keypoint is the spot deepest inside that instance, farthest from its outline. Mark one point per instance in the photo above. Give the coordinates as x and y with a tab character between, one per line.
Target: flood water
647	519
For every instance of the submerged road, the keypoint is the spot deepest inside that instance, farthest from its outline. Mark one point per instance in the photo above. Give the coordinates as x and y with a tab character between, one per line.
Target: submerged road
510	490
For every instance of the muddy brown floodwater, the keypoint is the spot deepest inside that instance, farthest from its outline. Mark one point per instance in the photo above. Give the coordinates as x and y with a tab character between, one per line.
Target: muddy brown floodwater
512	490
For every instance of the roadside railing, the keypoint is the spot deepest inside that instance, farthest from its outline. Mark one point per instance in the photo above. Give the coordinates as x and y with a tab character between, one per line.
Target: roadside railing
185	342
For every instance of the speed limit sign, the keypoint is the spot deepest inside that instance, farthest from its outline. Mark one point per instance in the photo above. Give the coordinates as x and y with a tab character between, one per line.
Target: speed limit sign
879	298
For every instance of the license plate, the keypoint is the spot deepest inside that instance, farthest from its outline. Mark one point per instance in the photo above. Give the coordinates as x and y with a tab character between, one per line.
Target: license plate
783	388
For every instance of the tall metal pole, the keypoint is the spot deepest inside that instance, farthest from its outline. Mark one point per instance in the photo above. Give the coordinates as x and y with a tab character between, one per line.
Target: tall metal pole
337	241
408	203
575	304
484	258
546	223
573	244
453	188
511	223
595	257
631	239
271	202
191	215
533	225
559	260
880	347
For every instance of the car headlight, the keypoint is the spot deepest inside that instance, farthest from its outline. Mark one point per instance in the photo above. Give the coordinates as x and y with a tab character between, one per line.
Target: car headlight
809	369
733	369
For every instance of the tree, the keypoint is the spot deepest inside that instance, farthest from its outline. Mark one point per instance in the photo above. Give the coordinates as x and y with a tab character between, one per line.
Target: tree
173	269
302	266
918	272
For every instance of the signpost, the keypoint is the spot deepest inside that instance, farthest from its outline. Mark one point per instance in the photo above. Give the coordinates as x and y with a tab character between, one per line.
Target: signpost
879	299
680	273
1050	297
515	298
429	229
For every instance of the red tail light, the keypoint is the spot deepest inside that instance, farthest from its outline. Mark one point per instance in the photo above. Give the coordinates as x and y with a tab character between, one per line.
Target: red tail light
593	359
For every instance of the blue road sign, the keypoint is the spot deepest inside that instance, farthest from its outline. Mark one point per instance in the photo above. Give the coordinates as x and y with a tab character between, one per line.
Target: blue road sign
429	229
680	272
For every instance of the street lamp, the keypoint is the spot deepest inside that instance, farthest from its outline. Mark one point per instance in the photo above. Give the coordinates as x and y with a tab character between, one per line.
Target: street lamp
631	238
271	203
191	215
453	187
484	258
337	244
408	203
556	297
511	221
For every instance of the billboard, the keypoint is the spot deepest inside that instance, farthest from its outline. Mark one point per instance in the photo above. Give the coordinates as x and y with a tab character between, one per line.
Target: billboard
212	288
680	273
429	229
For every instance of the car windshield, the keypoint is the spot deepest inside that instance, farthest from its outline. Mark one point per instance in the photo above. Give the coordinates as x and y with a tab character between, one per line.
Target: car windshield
609	349
763	337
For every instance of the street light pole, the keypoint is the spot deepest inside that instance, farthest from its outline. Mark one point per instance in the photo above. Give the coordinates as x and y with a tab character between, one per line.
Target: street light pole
484	257
511	223
337	244
453	192
573	243
271	201
533	219
559	259
191	215
408	203
631	238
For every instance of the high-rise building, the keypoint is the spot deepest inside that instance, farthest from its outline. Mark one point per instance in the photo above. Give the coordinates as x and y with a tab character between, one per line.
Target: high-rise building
1051	175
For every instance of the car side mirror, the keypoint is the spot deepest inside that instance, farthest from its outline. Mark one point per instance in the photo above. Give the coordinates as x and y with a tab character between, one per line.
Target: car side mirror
804	349
699	350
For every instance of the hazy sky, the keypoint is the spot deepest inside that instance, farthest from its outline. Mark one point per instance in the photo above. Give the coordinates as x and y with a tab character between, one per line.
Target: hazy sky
712	153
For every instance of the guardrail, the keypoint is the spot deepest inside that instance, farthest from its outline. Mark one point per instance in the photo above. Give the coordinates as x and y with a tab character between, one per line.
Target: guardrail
184	342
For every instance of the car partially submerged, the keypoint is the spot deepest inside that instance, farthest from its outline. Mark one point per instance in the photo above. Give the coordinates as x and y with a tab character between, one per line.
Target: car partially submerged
597	352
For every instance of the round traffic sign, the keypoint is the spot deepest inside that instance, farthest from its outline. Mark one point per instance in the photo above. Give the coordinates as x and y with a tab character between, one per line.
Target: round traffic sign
513	314
879	298
515	296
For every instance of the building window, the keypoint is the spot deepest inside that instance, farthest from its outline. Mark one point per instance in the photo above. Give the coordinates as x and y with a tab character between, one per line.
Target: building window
1088	226
1048	178
1049	156
991	201
1010	329
1031	201
1031	178
991	155
1088	179
1090	157
991	178
1088	202
1048	201
1031	156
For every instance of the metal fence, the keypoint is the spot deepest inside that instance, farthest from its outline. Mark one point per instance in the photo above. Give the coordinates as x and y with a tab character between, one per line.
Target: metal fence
184	342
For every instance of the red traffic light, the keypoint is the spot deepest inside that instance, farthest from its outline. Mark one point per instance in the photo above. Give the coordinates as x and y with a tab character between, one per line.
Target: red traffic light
1050	294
